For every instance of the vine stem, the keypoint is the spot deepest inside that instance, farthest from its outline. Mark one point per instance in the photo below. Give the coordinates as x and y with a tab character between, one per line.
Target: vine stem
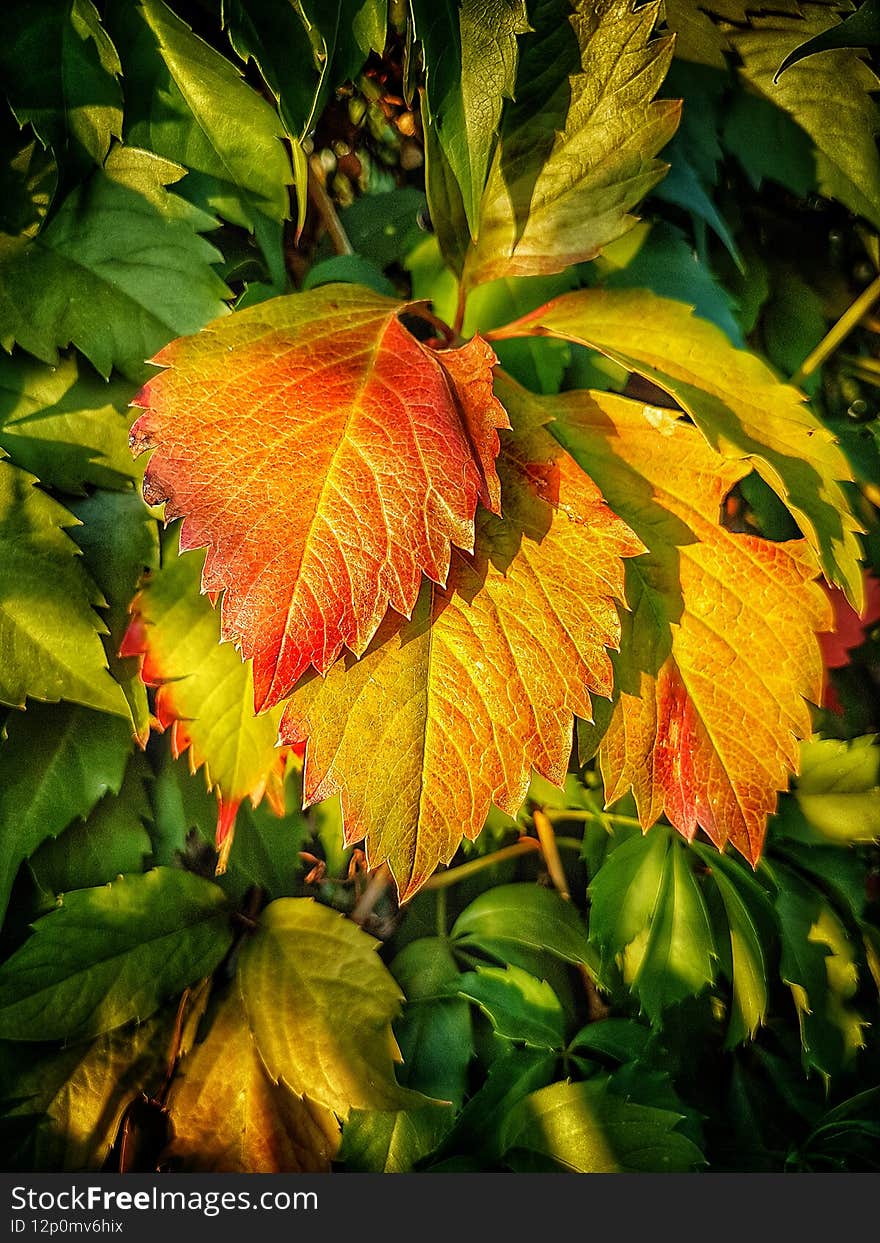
441	880
556	814
324	207
849	320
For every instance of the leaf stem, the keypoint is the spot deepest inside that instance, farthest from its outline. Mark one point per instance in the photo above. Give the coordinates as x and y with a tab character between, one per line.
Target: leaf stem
460	305
442	880
547	838
441	914
838	332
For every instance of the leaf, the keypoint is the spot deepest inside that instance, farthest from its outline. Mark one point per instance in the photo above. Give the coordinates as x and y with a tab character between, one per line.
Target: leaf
657	257
399	445
109	955
118	269
434	1031
50	645
829	99
719	652
305	967
204	691
647	911
519	1006
583	1128
385	226
508	916
28	181
187	103
119	539
62	1110
470	51
110	841
56	763
837	796
750	928
860	29
60	72
556	198
227	1115
479	1127
64	424
332	37
735	400
390	1143
349	270
479	688
818	963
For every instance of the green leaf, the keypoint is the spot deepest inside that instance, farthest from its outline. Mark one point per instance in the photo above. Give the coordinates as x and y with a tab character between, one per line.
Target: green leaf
274	35
676	957
60	71
227	1115
118	270
750	928
829	99
304	968
332	37
860	29
266	848
583	1128
470	50
385	227
391	1143
181	805
110	841
647	911
733	397
189	104
55	765
612	1039
576	155
478	1130
64	424
50	645
511	916
519	1006
434	1032
626	890
28	180
818	963
119	539
113	954
62	1110
350	270
837	794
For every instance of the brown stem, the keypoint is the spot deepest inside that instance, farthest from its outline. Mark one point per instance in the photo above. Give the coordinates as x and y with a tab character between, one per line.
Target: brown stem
547	838
375	887
323	205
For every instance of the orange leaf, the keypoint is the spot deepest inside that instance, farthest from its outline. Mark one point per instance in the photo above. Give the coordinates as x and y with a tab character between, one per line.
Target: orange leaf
720	652
326	458
450	713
